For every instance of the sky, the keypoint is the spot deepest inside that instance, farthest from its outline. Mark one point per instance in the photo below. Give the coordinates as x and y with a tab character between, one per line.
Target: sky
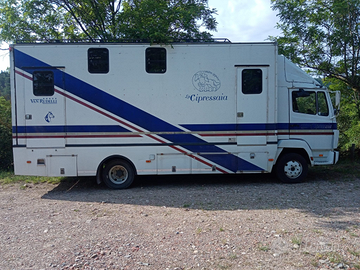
238	20
244	20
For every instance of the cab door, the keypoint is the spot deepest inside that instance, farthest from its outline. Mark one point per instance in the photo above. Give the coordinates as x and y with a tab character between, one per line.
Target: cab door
311	120
44	108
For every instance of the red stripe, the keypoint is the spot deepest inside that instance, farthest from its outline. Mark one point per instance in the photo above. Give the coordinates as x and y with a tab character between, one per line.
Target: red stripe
306	133
237	134
76	136
217	135
24	75
265	134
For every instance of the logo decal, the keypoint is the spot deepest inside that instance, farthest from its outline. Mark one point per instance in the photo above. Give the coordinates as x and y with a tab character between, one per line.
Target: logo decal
44	100
197	98
49	117
206	81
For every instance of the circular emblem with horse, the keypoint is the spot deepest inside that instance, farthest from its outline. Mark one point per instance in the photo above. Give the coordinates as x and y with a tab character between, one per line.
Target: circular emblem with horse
206	81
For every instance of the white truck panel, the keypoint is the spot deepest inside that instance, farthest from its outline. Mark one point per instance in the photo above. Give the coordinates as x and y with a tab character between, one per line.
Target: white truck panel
150	109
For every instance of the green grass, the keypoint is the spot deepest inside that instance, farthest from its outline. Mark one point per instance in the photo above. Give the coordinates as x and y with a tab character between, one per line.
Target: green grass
10	178
296	240
345	169
263	247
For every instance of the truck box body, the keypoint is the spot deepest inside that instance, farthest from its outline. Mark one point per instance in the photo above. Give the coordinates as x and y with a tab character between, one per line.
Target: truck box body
164	109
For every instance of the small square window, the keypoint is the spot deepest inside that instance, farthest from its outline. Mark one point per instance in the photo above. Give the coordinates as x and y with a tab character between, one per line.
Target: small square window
155	60
98	60
252	81
43	83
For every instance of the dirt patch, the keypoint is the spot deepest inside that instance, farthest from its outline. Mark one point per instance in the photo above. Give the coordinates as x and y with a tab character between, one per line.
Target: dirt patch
182	222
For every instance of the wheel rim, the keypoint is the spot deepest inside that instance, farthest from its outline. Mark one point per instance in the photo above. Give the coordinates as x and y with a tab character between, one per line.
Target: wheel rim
293	169
118	174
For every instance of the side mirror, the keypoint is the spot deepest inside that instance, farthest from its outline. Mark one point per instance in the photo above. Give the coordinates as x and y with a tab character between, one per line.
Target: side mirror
337	99
337	103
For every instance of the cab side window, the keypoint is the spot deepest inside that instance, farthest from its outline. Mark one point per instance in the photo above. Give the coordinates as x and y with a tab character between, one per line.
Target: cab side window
310	102
322	103
304	102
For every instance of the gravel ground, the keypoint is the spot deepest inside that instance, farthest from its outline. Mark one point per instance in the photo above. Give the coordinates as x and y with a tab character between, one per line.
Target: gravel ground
182	222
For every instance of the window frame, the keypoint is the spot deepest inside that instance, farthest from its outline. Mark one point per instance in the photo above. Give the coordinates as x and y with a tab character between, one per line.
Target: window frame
43	89
156	65
245	84
317	103
101	65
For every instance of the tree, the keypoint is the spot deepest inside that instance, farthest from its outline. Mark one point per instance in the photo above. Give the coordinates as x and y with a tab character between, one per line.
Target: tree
107	20
324	36
348	119
94	19
5	134
34	20
5	84
166	20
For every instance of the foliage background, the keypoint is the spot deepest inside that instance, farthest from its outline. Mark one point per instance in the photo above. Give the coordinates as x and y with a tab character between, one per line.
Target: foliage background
157	21
5	134
323	36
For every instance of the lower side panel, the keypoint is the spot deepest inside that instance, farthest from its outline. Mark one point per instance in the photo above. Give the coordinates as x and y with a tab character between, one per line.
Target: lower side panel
84	161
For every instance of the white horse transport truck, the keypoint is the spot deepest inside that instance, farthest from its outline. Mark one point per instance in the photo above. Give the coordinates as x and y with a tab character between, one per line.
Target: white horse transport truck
117	110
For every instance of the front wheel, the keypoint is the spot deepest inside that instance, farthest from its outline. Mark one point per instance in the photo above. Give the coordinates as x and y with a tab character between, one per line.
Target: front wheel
118	174
291	168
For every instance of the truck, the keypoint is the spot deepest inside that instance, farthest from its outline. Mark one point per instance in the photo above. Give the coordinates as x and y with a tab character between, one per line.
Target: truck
118	110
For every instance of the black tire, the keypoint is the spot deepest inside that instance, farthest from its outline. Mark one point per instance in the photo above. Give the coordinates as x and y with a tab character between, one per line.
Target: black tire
118	174
291	168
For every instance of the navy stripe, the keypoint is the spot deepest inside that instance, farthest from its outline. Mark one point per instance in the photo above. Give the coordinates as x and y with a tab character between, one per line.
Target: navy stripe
137	144
313	126
135	115
124	145
195	128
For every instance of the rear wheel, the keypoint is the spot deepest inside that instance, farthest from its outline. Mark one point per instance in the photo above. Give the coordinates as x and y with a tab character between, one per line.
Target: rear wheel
118	174
291	168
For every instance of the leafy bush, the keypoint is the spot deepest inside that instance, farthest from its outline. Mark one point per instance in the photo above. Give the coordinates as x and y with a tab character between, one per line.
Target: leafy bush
5	84
5	134
349	117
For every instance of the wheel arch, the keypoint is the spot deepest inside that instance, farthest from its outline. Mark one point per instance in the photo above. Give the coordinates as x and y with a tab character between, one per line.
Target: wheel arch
295	146
108	159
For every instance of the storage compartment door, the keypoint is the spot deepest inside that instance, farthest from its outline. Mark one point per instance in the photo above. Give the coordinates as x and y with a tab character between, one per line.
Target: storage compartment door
61	165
